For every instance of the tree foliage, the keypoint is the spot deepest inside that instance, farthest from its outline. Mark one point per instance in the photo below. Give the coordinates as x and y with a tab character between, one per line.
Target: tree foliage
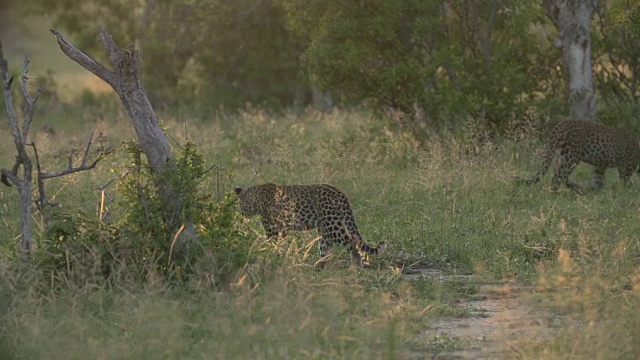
446	57
5	8
617	60
220	51
249	54
618	54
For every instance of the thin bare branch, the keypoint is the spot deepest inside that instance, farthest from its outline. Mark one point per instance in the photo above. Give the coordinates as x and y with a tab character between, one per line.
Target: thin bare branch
8	98
31	101
83	163
42	196
5	180
25	78
10	177
14	171
85	60
214	166
29	115
71	170
101	188
86	150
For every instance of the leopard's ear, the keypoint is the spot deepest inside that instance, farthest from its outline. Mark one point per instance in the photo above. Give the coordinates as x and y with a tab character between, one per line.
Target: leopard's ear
238	190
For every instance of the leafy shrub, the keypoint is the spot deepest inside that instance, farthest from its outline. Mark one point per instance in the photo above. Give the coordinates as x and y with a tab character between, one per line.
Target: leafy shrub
138	242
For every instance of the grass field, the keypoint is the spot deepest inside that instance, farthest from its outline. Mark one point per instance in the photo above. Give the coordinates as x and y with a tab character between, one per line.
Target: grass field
447	204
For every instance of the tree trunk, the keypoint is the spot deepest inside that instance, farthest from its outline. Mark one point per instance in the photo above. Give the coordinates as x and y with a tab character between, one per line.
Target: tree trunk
20	139
125	80
571	18
322	101
22	158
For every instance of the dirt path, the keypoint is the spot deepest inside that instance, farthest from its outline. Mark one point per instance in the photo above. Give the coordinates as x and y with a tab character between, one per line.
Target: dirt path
500	326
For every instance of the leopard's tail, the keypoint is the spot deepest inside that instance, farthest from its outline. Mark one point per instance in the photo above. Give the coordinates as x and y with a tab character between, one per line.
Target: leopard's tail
548	158
372	250
353	232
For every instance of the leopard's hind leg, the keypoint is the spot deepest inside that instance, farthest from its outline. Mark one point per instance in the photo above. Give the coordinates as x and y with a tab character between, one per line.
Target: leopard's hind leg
566	165
326	251
598	178
625	173
356	255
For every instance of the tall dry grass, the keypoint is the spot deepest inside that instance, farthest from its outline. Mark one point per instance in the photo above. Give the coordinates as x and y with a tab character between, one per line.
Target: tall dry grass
447	203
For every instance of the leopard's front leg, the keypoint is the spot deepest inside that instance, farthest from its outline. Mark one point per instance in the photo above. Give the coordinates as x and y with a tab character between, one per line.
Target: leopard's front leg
326	250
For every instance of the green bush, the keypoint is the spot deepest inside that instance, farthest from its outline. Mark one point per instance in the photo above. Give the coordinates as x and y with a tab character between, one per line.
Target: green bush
138	242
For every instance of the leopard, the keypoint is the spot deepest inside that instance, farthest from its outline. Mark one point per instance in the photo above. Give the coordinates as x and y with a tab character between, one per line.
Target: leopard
595	144
284	208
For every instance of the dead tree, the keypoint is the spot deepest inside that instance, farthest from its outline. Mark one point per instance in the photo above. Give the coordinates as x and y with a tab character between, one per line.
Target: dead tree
124	78
23	159
572	19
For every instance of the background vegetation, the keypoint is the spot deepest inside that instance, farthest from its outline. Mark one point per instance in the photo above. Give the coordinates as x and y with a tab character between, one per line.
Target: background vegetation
443	59
232	80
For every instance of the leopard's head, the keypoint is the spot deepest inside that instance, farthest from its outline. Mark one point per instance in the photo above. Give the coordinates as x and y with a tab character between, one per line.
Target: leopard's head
248	199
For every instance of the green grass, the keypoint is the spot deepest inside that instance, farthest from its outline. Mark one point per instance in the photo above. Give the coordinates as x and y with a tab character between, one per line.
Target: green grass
448	204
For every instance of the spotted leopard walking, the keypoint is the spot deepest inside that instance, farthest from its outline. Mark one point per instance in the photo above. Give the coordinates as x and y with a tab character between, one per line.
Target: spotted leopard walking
595	144
305	207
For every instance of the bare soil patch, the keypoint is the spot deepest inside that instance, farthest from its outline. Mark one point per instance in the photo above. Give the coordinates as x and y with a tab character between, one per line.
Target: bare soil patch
501	324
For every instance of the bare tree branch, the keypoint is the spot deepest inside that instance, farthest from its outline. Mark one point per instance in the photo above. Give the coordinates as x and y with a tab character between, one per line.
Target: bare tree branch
42	198
83	163
112	50
8	177
101	188
31	101
85	60
42	201
5	178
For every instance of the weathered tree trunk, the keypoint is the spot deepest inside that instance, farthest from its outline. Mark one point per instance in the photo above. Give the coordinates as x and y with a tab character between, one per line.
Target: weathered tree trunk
320	100
571	18
20	137
125	80
22	158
